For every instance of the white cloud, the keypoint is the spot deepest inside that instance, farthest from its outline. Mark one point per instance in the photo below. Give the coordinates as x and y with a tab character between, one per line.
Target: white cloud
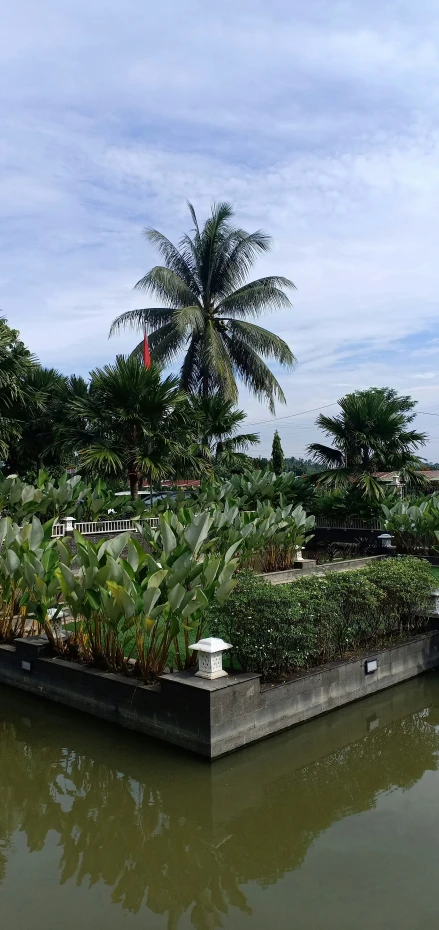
318	121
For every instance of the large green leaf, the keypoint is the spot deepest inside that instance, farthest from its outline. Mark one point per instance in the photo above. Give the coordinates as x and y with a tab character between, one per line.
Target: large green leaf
150	598
12	561
197	532
133	555
169	540
63	552
28	571
156	579
68	576
201	598
176	595
225	589
114	546
121	596
36	534
210	569
4	523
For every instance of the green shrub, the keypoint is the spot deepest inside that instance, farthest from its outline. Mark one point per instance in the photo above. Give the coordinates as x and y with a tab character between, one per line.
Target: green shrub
265	627
345	609
405	584
276	630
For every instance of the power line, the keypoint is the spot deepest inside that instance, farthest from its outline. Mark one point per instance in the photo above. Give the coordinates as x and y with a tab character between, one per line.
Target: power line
290	415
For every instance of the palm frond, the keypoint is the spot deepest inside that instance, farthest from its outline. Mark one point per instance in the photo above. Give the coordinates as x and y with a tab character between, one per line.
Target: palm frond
237	257
256	375
216	363
151	317
325	455
174	261
168	286
165	344
260	296
262	341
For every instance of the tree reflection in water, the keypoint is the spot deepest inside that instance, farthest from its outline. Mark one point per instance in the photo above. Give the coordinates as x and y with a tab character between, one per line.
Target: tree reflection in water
168	832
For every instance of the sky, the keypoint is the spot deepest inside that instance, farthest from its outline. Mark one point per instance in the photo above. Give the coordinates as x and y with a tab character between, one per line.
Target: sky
318	121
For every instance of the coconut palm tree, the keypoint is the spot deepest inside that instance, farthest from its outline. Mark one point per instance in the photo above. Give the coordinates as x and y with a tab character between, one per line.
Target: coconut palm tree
372	433
218	423
206	309
132	422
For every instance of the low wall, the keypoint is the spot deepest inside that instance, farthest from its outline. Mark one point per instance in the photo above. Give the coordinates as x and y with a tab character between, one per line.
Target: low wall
310	568
211	718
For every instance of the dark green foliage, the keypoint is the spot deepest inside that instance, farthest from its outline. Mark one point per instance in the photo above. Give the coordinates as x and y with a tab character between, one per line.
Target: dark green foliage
264	626
277	455
405	584
216	429
276	630
302	466
372	433
132	422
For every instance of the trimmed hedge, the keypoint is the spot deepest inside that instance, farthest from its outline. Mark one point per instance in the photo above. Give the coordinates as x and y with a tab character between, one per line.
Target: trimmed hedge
276	630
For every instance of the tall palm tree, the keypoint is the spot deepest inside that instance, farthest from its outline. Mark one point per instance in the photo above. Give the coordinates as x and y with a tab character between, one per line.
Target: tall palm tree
132	422
372	433
218	423
206	309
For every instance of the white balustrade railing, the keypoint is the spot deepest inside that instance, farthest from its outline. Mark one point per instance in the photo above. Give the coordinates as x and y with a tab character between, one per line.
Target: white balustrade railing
100	527
58	529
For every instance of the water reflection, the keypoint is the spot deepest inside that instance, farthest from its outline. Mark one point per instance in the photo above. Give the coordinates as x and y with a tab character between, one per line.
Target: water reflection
171	834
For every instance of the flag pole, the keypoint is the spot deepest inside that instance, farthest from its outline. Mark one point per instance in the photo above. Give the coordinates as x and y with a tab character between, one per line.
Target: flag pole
146	352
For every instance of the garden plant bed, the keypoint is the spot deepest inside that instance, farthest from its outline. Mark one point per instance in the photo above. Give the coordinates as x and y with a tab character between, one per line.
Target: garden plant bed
211	718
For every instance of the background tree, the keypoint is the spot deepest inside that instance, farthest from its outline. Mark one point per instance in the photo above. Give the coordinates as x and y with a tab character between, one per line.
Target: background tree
207	306
218	423
16	362
132	423
372	433
41	418
277	455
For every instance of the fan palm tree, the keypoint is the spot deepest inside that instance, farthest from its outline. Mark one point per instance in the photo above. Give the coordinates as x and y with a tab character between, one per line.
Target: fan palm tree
372	433
132	422
16	362
218	423
207	306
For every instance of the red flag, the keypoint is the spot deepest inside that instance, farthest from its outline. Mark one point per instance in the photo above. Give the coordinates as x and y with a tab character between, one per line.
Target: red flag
146	355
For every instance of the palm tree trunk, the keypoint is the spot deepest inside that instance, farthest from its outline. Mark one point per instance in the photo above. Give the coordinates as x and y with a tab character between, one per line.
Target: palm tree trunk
134	484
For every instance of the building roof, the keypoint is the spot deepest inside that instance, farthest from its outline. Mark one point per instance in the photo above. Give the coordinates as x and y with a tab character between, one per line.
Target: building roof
431	474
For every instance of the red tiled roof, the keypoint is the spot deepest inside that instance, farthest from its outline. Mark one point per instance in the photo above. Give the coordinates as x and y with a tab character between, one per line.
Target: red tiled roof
432	474
182	483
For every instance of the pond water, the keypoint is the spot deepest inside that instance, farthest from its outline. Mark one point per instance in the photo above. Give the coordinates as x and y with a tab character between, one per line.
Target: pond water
331	826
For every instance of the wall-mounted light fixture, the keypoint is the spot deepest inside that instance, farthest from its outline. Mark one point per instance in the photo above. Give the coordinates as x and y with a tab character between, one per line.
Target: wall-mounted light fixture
370	666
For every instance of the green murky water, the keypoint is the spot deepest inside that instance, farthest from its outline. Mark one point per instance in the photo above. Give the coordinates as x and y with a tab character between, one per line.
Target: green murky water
332	826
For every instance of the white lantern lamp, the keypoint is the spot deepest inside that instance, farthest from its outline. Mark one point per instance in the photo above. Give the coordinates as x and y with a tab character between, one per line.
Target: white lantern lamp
385	540
210	657
69	523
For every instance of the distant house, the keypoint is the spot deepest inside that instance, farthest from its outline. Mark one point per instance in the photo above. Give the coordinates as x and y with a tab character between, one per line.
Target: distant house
394	480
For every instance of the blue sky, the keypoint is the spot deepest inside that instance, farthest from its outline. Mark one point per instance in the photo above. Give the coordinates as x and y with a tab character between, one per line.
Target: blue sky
318	120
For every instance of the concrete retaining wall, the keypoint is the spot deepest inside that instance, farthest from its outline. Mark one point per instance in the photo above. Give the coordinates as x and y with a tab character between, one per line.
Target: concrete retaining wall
210	718
309	567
